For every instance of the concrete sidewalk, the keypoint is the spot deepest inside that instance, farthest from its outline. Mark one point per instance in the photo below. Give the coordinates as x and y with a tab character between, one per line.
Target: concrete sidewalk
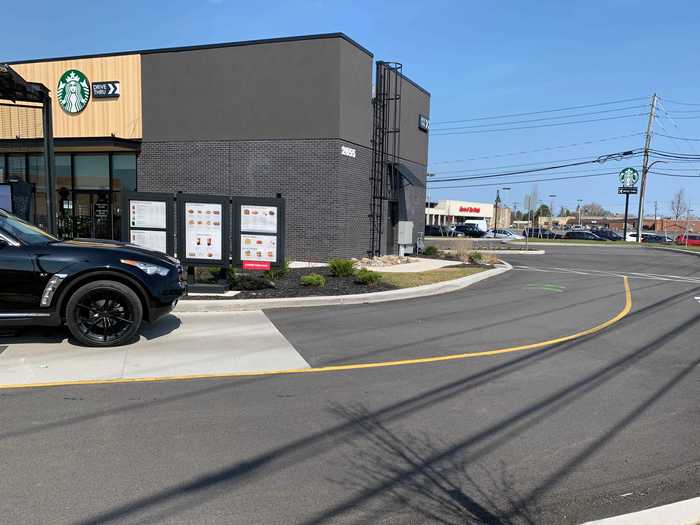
685	512
177	345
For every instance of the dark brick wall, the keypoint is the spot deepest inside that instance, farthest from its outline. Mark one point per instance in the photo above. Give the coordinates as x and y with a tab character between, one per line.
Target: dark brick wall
327	193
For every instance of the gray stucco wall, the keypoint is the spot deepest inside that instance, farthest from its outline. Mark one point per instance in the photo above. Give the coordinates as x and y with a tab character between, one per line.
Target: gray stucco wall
281	90
414	142
355	94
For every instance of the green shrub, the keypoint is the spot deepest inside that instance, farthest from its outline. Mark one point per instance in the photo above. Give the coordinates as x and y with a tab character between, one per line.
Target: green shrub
275	274
476	257
239	280
431	251
312	279
367	277
341	267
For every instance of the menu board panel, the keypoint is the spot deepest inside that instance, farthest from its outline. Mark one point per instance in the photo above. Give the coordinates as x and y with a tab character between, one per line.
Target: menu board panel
147	214
153	240
258	248
259	218
203	231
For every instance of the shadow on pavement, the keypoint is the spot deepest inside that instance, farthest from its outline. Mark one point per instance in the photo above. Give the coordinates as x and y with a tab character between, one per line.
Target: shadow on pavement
198	490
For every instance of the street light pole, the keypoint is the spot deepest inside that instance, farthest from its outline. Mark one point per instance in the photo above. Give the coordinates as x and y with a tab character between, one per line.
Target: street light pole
551	211
579	211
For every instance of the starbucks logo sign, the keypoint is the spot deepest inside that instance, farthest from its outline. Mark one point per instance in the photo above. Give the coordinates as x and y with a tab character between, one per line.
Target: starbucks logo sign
73	91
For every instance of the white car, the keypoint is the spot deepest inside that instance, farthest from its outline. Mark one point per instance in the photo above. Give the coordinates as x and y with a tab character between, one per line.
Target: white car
503	234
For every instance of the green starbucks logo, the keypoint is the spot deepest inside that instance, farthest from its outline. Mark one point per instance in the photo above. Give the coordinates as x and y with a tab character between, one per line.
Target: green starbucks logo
73	91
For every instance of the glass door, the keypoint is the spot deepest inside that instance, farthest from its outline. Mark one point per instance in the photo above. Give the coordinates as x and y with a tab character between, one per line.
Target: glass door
92	215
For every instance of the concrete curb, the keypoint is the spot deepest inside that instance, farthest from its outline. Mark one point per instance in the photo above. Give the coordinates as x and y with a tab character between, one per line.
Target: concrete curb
677	250
681	513
239	305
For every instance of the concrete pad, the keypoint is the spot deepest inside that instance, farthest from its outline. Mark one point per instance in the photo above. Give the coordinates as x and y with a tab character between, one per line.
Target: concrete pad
416	265
685	512
182	344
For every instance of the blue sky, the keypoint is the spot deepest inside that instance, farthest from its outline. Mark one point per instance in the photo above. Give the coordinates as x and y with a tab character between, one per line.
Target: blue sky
477	59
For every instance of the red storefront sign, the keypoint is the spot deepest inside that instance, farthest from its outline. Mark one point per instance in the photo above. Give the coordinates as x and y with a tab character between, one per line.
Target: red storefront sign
256	265
469	209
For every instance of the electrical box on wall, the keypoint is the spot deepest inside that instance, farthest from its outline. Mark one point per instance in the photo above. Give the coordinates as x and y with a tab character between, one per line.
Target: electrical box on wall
406	236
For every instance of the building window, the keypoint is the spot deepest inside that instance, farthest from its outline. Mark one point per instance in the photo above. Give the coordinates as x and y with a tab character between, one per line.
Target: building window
91	172
16	165
124	172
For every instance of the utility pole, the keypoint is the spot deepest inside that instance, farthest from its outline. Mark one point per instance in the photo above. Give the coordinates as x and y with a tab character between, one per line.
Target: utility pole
579	201
645	167
656	209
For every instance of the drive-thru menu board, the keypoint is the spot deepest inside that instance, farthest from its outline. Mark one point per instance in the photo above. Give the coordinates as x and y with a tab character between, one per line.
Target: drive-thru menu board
149	220
147	214
260	231
203	230
153	240
259	248
258	218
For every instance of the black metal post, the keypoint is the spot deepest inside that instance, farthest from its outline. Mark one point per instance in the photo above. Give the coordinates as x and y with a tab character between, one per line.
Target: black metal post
627	204
50	165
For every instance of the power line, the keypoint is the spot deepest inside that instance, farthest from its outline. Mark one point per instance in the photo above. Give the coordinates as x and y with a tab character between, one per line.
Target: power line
539	150
676	175
466	170
541	112
538	126
681	103
601	159
524	181
541	119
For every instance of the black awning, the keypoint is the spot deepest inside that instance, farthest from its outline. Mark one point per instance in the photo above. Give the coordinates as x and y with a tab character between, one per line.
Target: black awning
409	176
13	87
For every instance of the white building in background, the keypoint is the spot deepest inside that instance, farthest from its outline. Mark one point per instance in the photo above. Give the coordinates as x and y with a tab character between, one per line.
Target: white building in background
448	212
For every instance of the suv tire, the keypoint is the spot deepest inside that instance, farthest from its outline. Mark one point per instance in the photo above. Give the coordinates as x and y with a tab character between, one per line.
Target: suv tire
104	313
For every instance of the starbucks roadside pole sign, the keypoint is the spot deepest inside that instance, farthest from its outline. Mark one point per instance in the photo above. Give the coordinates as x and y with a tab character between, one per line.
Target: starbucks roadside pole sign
628	179
73	92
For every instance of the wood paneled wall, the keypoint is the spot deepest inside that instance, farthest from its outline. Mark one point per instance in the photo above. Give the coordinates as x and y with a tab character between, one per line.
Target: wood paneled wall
102	117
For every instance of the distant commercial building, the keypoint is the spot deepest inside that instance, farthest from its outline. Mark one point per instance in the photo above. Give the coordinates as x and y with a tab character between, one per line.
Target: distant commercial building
290	116
447	212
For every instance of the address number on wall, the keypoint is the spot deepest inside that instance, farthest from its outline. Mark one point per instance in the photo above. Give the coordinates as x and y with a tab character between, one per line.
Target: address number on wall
348	152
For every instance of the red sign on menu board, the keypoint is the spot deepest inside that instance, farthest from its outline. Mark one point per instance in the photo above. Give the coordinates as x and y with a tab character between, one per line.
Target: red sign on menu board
256	265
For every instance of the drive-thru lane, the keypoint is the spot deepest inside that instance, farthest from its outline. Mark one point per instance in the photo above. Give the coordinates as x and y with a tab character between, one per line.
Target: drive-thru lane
576	431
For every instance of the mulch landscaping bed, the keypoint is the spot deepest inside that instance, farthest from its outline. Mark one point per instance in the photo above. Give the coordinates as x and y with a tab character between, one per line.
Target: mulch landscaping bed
289	286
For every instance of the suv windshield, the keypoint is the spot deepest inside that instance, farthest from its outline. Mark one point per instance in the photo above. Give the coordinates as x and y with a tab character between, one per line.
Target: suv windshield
23	231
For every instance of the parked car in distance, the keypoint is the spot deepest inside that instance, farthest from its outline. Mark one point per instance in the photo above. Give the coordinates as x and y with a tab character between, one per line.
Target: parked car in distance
100	290
608	234
540	233
654	238
693	239
470	230
503	234
583	236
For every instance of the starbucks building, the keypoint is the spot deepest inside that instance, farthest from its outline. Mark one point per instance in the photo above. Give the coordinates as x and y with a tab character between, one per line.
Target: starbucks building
295	117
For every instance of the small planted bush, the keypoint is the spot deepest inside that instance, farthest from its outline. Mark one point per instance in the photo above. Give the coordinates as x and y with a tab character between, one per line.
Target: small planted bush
275	274
341	267
367	277
313	279
431	251
476	258
238	280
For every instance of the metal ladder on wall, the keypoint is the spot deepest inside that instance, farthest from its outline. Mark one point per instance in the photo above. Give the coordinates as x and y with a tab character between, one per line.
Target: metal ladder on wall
386	144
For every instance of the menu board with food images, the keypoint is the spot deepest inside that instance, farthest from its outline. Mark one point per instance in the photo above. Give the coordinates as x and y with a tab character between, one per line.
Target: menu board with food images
259	218
258	248
203	231
147	214
153	240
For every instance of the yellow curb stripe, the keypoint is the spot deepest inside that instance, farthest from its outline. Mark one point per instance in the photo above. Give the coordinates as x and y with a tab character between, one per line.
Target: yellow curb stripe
359	366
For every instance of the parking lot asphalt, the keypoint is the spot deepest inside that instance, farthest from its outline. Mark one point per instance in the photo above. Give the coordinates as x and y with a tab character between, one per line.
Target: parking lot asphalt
580	430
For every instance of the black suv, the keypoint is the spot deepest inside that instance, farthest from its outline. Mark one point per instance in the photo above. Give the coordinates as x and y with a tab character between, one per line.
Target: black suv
100	290
469	229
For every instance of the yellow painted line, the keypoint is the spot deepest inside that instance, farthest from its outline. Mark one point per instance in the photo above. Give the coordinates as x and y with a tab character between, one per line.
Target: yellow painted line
359	366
